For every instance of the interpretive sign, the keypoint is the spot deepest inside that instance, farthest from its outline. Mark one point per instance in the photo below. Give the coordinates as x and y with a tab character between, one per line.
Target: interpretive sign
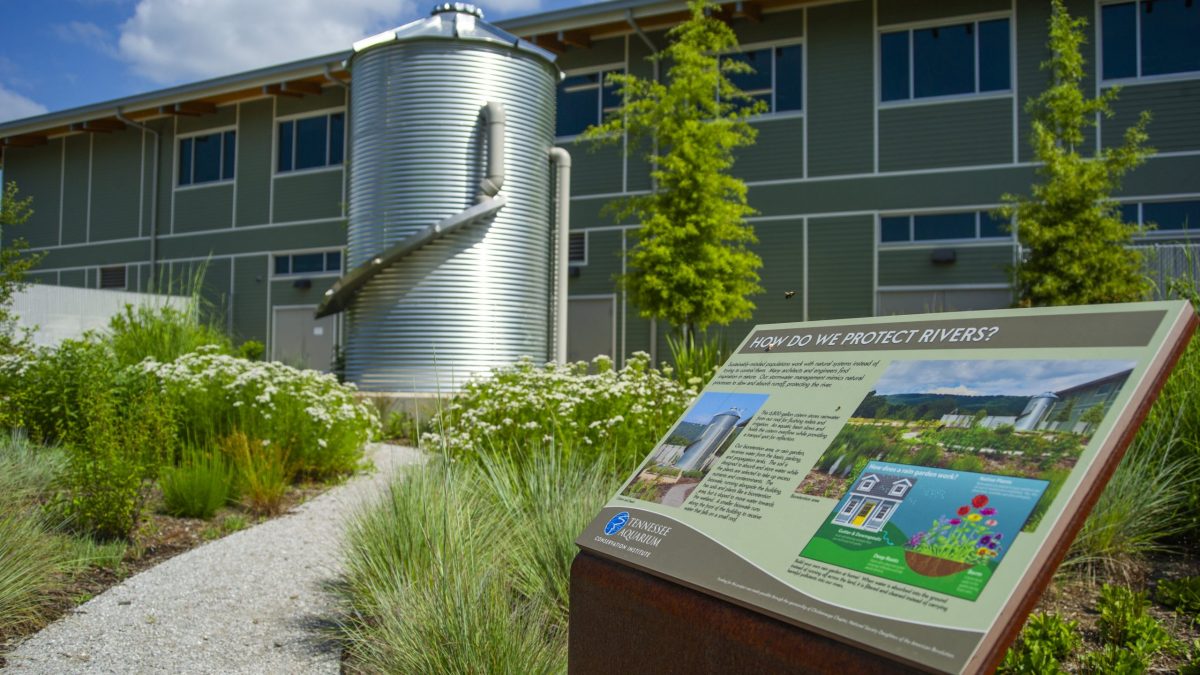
904	485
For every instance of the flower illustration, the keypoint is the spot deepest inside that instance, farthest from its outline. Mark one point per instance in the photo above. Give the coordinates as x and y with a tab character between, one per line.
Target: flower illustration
979	501
985	540
964	510
987	511
974	517
955	521
991	522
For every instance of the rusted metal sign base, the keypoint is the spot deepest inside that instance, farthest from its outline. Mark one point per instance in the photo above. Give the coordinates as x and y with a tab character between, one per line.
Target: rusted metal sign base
626	621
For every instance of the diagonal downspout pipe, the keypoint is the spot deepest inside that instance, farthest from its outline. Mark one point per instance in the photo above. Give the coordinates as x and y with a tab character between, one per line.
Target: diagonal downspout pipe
562	163
488	202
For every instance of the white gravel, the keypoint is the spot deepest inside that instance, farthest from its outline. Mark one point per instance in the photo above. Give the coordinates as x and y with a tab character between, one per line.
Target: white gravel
252	602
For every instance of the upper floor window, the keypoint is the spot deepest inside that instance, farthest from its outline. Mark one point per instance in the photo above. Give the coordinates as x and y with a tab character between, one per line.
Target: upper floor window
319	262
1175	216
941	226
583	100
956	59
577	248
1149	37
207	158
112	277
777	79
311	142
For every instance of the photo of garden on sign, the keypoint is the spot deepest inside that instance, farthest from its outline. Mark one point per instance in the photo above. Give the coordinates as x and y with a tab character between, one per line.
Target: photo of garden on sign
944	463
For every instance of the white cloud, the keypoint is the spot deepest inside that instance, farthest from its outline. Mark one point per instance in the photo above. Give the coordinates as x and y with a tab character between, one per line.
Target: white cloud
170	41
88	34
14	106
960	390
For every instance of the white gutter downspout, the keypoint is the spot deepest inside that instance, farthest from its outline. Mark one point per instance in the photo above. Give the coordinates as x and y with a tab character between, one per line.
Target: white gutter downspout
495	119
153	196
562	162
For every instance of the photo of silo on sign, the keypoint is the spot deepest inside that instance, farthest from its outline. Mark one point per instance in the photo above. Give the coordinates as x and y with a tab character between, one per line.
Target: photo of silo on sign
680	463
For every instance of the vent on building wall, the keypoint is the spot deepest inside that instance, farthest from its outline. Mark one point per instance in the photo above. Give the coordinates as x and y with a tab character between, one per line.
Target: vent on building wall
577	254
112	277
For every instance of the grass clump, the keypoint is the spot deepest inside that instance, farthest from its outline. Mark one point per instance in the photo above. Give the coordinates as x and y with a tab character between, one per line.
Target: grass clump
428	590
261	470
162	333
198	486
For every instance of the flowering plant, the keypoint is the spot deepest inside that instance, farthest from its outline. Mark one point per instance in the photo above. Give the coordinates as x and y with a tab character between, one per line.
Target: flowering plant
967	538
597	411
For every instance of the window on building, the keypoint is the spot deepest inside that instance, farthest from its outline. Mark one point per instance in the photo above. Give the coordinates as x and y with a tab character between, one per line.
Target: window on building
311	142
320	262
1175	216
207	158
964	225
777	79
584	100
577	248
962	58
1149	37
112	277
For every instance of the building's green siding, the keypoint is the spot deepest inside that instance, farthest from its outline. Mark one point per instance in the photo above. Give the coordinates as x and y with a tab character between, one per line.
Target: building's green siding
308	195
841	89
76	278
911	11
254	162
250	311
595	170
207	207
226	116
777	153
962	133
116	185
75	192
604	264
38	174
840	278
1174	115
972	265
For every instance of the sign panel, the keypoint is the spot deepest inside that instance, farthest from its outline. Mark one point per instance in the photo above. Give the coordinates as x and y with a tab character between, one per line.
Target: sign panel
903	484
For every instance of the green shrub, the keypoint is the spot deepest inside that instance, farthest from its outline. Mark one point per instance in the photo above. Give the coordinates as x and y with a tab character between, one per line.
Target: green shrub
1045	642
696	362
1181	594
252	350
198	486
610	414
1124	622
312	419
1114	660
162	333
967	463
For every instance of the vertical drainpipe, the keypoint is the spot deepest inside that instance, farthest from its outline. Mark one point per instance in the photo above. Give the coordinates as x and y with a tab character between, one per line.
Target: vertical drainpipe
153	195
562	163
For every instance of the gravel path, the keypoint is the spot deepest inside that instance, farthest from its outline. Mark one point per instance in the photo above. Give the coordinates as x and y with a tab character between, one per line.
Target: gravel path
251	602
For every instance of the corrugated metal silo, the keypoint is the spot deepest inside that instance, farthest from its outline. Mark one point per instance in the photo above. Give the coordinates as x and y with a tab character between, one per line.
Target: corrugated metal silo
478	297
710	440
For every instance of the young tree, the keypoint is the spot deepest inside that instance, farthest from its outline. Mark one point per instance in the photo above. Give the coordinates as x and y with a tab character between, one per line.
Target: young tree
691	264
14	263
1074	243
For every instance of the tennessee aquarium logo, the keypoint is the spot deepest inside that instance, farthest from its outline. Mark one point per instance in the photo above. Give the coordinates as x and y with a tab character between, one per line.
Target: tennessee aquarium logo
615	524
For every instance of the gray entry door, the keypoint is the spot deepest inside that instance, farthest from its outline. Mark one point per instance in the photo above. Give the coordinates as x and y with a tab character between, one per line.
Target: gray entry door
303	341
591	327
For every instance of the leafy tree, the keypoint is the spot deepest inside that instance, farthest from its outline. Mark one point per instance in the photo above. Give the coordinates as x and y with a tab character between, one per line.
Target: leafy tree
1075	244
691	264
14	263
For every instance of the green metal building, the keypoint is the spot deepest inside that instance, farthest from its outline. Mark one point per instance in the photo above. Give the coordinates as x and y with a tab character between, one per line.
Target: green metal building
894	127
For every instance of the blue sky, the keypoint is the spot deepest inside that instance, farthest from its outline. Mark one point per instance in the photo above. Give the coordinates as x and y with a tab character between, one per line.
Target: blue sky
58	54
715	402
971	378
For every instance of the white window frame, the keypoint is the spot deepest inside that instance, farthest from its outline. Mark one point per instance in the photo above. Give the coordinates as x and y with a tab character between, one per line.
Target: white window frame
603	68
1138	78
897	490
977	95
771	45
326	112
913	242
206	132
307	275
868	483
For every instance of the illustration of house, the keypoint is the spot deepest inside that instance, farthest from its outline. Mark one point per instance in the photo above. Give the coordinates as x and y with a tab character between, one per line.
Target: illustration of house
873	501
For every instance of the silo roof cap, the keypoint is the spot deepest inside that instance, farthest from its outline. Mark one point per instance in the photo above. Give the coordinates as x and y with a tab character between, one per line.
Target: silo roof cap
452	21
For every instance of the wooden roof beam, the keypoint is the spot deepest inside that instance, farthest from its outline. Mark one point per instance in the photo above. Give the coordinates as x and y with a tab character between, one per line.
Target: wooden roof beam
102	126
189	108
749	10
549	43
278	90
25	140
575	38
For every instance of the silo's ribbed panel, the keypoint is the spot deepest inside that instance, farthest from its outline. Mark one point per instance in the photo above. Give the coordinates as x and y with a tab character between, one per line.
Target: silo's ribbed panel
479	297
